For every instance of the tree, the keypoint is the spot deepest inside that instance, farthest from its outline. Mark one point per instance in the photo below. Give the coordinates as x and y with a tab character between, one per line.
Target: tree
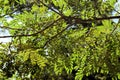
60	39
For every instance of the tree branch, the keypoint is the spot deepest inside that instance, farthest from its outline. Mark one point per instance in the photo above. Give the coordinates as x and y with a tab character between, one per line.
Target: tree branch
79	20
34	34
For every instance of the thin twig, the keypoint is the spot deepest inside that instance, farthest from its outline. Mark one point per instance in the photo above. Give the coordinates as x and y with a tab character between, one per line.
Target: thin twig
57	34
5	27
115	27
116	11
54	10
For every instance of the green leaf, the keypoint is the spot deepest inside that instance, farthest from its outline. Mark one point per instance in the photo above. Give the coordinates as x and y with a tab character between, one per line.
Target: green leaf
118	75
37	59
106	23
112	2
68	12
22	1
79	75
24	55
35	8
6	1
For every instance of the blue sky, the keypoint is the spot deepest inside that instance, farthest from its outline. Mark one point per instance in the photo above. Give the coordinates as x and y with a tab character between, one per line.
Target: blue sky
117	7
4	33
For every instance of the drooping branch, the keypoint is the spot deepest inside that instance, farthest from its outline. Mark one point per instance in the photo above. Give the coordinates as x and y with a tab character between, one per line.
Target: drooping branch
34	34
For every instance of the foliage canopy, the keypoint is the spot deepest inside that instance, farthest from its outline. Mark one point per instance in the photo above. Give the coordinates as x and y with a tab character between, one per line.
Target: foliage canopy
60	39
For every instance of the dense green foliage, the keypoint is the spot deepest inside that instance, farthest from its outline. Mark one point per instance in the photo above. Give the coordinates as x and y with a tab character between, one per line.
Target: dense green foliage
60	40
